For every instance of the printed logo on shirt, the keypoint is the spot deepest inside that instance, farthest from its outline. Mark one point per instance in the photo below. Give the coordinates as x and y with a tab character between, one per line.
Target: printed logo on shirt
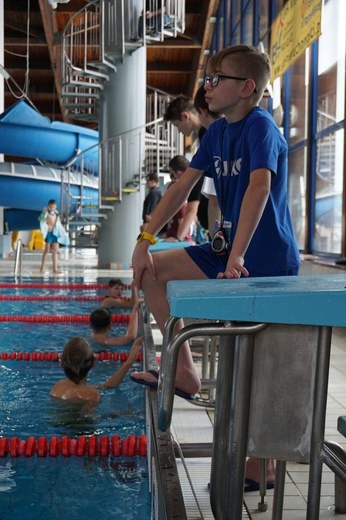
221	167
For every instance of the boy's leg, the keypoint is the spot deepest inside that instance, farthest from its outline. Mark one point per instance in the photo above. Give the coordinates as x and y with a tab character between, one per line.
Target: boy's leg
55	247
44	256
172	265
253	470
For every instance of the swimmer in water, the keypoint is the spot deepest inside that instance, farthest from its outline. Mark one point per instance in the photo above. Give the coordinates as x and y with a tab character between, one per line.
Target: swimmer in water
76	360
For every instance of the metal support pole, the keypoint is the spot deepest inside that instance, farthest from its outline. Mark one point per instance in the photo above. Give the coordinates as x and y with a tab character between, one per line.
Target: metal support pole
239	423
318	422
278	501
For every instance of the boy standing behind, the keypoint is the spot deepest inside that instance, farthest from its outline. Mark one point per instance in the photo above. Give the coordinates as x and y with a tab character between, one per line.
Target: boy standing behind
53	232
152	199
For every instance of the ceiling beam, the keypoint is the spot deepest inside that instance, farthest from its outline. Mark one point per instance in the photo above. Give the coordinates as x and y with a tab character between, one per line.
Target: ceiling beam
197	69
54	49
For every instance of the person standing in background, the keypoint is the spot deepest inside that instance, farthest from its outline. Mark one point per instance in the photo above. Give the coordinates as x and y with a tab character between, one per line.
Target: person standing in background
53	233
206	118
152	199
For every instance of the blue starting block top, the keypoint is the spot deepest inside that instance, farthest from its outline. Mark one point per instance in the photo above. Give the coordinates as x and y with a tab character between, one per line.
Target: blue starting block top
300	300
161	245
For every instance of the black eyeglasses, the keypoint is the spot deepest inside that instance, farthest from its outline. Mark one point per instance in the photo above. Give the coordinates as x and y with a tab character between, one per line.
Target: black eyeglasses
213	80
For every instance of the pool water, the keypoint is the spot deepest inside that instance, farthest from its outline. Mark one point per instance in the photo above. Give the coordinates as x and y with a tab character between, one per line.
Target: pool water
66	487
74	488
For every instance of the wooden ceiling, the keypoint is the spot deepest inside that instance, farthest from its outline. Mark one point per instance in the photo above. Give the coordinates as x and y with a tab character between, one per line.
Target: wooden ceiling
32	51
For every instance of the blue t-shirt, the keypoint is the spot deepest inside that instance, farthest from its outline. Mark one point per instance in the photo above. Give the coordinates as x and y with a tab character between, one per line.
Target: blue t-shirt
230	152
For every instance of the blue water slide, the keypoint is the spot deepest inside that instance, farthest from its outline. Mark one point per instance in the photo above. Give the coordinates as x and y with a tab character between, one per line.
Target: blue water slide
26	133
26	188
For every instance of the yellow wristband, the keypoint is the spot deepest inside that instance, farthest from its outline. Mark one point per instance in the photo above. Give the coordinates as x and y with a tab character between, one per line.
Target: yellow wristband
146	236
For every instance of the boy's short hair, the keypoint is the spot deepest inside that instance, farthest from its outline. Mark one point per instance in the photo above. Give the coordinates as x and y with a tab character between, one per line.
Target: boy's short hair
177	106
77	359
100	319
248	61
200	102
115	281
179	163
152	177
51	201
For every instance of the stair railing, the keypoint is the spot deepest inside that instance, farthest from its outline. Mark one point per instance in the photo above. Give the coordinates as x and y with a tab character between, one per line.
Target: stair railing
99	34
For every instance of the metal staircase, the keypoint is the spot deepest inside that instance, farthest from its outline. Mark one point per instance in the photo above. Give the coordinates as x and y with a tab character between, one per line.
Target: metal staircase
100	32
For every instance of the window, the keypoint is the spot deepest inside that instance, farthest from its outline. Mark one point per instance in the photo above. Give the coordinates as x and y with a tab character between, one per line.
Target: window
329	173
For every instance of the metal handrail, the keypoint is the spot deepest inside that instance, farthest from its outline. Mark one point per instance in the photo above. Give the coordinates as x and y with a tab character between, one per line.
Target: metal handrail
18	258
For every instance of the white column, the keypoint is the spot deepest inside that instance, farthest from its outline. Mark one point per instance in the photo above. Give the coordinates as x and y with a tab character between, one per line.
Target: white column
122	108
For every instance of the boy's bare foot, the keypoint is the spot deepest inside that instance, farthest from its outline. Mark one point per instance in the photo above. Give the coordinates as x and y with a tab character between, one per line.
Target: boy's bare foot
58	272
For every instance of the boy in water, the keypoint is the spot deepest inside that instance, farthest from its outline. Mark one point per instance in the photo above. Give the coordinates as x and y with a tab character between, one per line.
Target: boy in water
76	360
53	232
101	325
115	295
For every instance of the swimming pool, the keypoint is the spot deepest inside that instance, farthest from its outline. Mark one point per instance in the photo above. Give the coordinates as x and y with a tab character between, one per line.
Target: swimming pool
89	487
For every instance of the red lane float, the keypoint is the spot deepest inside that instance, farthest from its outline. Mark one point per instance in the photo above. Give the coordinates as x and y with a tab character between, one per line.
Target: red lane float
16	298
66	446
83	318
142	445
73	286
55	356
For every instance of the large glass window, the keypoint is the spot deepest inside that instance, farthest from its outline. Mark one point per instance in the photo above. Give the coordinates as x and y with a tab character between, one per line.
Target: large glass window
297	134
328	196
330	139
299	107
263	23
297	192
248	24
235	23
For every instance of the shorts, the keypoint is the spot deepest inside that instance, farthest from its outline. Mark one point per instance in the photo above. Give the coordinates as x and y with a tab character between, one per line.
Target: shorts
212	263
51	238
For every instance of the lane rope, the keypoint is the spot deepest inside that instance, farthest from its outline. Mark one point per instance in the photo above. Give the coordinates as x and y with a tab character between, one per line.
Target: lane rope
15	297
83	318
67	446
55	356
72	286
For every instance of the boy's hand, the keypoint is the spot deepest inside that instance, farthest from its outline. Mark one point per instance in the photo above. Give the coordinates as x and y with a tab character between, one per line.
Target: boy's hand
234	269
142	260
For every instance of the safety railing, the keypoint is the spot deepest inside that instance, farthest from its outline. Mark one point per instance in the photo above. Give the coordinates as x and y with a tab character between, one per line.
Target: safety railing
151	145
18	258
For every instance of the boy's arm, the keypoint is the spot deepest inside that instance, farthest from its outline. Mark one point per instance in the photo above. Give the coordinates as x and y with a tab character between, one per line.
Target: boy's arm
116	302
189	217
119	375
254	202
168	206
132	329
214	214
